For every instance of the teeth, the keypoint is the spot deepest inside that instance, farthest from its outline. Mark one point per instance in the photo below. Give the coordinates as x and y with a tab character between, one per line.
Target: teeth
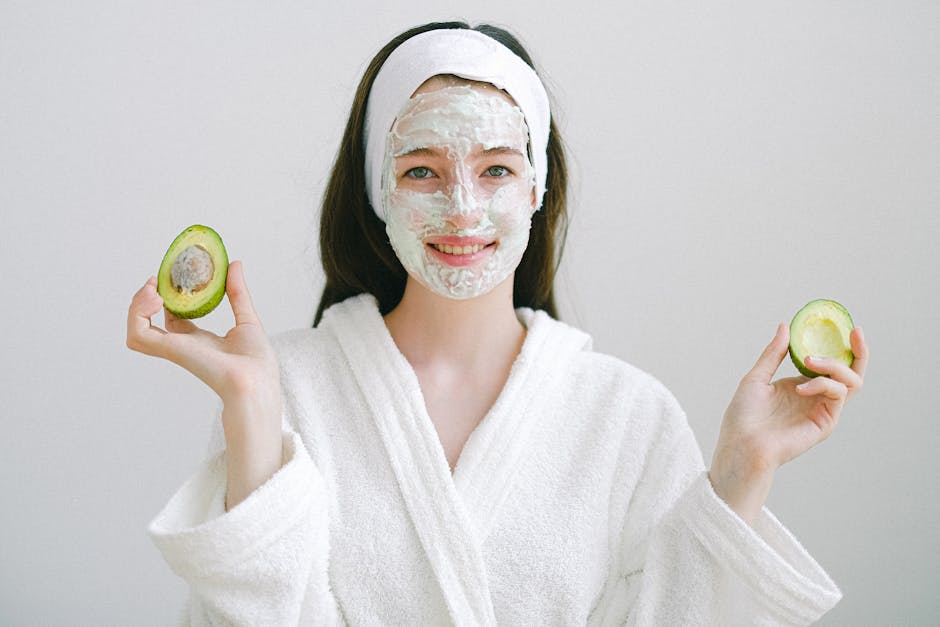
459	250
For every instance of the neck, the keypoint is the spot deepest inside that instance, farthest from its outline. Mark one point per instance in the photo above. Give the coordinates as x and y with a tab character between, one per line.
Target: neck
428	327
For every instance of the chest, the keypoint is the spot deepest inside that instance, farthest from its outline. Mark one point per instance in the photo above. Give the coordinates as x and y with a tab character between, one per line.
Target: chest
457	409
454	418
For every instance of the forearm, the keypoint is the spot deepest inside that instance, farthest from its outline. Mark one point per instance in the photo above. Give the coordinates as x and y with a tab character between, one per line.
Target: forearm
254	450
741	483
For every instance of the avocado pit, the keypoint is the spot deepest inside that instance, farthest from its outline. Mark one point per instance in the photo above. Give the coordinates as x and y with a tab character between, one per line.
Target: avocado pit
192	270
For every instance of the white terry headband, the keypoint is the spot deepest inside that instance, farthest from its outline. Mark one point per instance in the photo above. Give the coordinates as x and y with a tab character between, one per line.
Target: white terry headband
465	53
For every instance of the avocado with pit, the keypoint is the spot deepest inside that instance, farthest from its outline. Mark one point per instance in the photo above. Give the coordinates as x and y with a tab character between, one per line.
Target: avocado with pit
192	276
821	329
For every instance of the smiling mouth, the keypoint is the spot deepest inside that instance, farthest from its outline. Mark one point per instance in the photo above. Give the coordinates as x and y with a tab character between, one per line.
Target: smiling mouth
460	250
461	255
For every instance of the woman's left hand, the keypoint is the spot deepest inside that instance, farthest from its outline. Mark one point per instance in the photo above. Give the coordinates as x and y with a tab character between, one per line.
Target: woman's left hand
768	422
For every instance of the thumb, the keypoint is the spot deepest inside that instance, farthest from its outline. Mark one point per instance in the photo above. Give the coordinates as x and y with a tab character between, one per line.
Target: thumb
238	296
768	362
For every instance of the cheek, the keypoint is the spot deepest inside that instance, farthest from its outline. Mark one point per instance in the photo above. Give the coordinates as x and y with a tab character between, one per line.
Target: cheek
510	209
417	220
415	212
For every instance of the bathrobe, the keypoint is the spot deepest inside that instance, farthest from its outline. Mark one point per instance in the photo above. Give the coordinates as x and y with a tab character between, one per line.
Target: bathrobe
581	498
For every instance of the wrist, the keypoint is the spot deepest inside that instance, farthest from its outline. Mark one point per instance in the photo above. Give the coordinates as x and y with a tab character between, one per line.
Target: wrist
742	484
253	444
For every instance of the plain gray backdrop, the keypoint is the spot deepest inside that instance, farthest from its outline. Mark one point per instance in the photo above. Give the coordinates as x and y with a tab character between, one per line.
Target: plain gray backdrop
731	161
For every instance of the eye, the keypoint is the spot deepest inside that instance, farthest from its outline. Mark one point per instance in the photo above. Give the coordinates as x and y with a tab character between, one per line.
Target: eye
420	172
498	171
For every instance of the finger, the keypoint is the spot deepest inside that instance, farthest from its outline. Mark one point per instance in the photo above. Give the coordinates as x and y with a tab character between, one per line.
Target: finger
149	286
142	336
823	386
836	370
179	348
860	350
773	355
238	295
179	325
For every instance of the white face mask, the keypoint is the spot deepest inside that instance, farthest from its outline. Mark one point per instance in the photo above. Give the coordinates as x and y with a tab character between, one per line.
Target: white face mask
458	190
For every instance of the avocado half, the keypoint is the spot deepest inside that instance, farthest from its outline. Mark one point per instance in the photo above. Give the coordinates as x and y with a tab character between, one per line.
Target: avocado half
821	329
192	276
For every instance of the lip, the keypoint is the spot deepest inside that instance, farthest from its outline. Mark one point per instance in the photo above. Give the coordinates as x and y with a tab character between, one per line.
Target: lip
456	240
460	261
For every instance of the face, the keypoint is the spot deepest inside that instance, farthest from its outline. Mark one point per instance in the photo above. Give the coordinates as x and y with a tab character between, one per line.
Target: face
459	188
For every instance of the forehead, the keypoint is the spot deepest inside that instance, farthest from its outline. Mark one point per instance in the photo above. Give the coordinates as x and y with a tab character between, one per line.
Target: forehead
458	114
441	81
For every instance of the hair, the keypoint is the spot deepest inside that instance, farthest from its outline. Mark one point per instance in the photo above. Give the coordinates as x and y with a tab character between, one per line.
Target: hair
354	248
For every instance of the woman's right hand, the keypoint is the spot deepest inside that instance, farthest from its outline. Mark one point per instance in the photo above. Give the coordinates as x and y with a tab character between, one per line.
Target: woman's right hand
241	367
233	366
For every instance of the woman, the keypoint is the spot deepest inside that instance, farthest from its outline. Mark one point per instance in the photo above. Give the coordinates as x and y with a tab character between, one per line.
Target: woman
440	449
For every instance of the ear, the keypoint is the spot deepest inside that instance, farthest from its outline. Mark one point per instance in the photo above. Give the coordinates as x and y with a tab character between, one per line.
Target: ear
532	203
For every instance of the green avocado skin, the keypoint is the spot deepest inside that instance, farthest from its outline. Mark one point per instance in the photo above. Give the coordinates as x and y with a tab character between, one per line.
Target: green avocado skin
210	241
796	355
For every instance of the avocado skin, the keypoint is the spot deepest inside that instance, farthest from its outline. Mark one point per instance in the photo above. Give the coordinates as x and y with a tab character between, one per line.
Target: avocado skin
212	243
806	372
797	319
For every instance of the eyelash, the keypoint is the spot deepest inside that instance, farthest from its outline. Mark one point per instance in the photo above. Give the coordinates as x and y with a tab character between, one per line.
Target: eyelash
410	173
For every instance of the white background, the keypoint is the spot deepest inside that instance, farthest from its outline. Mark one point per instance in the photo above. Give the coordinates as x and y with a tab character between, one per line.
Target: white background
731	162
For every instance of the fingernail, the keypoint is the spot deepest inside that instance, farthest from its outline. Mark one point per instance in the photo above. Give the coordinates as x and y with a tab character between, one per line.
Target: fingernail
802	386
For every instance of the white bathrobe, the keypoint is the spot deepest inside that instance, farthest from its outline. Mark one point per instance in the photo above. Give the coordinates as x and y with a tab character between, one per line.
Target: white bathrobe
581	498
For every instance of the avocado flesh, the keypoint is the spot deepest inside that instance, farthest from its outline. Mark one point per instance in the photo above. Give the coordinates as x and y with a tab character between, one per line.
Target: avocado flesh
821	329
192	276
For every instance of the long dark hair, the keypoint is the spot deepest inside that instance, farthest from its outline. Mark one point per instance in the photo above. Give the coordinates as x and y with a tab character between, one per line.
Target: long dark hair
354	247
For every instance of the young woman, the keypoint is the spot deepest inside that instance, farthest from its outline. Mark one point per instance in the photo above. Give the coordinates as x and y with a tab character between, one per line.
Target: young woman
440	449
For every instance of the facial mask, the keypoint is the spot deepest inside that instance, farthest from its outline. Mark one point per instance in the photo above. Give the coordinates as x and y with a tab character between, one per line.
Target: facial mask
458	198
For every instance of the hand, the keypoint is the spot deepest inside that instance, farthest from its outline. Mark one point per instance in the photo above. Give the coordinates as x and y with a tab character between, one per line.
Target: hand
768	422
240	364
241	367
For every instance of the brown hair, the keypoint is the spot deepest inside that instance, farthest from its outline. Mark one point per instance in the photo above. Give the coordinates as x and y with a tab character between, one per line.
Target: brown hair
354	247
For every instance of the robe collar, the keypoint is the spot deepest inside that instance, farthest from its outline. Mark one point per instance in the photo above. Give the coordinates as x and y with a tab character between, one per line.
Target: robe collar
452	514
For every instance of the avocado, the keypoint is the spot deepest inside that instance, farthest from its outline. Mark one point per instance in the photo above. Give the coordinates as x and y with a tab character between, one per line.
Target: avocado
192	276
821	329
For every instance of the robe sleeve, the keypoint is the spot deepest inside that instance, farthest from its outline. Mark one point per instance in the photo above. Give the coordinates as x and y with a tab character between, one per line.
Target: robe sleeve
688	559
264	562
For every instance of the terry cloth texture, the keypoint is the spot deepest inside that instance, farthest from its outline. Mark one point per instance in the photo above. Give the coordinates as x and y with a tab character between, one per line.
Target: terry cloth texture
581	498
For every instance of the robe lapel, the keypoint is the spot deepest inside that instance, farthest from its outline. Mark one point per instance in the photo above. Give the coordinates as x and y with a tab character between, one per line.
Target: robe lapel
487	465
394	397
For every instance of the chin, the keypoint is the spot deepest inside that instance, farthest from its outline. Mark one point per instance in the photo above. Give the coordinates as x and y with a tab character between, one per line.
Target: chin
459	285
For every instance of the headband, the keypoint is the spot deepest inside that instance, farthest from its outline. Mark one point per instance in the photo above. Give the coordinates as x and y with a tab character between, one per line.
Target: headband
464	53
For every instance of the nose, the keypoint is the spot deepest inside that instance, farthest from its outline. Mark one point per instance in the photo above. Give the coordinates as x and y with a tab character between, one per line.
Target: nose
463	211
462	222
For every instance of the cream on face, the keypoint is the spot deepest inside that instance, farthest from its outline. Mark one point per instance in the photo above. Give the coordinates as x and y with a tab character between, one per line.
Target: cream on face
457	189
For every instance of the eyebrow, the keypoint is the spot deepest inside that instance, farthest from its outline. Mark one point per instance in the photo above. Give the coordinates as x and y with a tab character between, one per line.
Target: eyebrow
435	152
420	152
503	150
